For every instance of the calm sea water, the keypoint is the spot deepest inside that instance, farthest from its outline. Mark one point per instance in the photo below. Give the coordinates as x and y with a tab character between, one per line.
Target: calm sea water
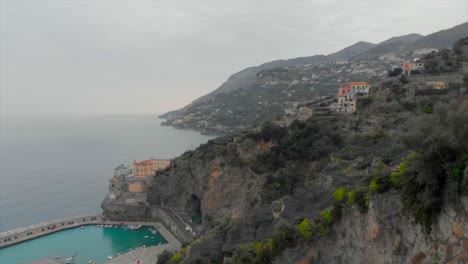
56	167
90	243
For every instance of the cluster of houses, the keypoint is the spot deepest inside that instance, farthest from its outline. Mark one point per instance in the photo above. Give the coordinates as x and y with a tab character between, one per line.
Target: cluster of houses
132	189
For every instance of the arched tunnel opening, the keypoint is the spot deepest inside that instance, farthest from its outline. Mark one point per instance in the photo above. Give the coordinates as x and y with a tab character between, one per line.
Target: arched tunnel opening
193	208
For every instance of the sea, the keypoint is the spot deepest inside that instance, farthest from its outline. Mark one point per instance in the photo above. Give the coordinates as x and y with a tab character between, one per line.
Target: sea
52	167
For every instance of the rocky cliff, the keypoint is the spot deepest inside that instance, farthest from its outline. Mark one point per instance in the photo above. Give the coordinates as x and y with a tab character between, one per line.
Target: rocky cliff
389	234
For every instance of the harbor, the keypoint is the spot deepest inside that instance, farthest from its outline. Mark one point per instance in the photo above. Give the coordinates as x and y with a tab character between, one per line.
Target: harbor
107	242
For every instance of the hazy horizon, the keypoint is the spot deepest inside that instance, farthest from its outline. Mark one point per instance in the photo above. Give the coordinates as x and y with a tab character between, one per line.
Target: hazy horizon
86	58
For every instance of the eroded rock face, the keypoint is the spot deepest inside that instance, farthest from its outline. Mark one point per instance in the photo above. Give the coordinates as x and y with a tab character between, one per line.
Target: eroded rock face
224	192
387	234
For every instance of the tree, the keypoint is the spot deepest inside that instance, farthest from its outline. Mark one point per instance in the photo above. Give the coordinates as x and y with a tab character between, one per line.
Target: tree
465	80
164	257
122	171
395	72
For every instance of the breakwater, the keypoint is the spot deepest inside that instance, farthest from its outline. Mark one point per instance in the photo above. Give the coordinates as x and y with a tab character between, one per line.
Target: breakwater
22	234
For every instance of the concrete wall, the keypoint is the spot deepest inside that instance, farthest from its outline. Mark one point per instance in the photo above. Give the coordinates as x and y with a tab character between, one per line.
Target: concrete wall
26	233
169	219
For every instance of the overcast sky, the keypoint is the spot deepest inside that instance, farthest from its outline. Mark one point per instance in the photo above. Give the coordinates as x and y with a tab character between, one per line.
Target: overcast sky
84	57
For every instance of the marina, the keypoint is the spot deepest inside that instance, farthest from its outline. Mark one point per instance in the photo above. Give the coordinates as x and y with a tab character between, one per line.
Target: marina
93	244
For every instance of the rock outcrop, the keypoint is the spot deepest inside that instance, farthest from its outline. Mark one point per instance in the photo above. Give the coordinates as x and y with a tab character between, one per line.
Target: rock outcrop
388	234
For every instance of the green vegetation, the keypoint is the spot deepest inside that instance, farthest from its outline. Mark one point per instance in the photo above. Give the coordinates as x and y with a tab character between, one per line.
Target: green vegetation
305	229
340	194
373	186
428	109
263	252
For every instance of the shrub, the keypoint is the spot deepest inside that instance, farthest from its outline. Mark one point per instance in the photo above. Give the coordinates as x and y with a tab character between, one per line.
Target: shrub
165	257
340	194
305	229
198	260
284	236
428	109
176	257
326	215
373	186
395	179
244	253
395	72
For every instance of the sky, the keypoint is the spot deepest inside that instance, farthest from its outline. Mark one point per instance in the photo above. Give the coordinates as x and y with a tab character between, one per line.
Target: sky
104	57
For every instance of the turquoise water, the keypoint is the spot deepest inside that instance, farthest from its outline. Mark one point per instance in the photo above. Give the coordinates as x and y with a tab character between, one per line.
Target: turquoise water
90	243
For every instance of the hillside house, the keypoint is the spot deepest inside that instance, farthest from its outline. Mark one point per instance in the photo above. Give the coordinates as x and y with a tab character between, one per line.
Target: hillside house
347	97
408	67
360	88
437	85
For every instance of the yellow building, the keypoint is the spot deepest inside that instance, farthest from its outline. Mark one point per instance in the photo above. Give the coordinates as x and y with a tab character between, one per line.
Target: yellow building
437	85
137	187
146	168
360	88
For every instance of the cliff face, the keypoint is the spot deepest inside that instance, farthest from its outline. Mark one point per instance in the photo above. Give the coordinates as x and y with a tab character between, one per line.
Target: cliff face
193	183
388	234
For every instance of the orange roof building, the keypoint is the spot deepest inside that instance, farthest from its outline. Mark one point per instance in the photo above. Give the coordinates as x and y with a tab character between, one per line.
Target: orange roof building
146	168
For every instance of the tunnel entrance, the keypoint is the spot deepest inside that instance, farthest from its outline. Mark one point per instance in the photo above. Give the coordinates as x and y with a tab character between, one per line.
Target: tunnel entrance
193	208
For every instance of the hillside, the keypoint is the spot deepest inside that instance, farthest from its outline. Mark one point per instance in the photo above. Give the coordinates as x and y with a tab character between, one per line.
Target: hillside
440	39
387	184
274	91
247	77
243	101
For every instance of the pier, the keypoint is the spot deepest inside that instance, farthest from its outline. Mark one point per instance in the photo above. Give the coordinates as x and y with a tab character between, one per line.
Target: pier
22	234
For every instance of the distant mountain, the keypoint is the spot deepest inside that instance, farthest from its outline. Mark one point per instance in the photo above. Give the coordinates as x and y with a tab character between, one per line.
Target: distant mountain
441	39
391	45
351	51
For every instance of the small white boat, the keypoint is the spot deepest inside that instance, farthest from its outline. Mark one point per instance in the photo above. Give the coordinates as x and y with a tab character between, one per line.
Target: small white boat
146	236
57	257
110	225
82	227
92	262
69	259
110	257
